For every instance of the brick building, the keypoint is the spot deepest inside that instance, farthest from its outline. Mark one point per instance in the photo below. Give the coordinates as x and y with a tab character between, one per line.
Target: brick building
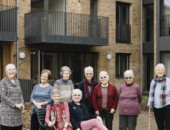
105	34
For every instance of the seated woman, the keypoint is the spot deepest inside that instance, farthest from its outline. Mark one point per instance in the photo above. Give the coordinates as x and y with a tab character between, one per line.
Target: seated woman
80	116
59	113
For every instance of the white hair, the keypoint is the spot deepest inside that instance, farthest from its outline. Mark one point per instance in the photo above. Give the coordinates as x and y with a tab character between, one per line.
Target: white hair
159	65
9	66
63	69
87	69
77	91
130	72
103	73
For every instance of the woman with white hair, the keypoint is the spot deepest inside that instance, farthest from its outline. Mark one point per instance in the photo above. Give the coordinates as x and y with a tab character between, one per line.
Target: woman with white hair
12	102
159	98
65	85
129	105
80	116
87	86
105	99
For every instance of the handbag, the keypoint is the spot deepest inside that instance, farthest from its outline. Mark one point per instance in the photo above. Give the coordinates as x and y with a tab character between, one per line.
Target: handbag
60	126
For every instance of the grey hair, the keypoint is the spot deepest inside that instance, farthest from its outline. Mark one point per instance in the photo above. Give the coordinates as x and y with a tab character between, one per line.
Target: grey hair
77	91
87	69
103	73
56	91
9	66
63	69
159	65
129	72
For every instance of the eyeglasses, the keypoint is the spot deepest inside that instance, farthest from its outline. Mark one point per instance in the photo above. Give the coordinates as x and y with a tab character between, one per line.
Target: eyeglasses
103	77
128	77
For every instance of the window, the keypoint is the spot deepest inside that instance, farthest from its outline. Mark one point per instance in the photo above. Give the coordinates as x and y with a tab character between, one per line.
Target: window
93	7
122	22
122	64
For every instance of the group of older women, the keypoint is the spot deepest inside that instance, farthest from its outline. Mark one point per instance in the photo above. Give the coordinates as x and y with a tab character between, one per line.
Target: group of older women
84	108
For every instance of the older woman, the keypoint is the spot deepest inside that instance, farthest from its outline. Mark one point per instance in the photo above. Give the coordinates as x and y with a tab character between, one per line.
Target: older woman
80	116
130	98
58	114
11	104
41	96
64	84
159	98
105	99
87	86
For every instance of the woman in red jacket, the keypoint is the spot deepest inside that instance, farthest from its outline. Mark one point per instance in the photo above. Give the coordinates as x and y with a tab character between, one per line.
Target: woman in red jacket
105	99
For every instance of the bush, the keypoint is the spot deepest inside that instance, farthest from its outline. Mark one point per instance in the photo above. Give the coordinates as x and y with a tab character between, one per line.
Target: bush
144	102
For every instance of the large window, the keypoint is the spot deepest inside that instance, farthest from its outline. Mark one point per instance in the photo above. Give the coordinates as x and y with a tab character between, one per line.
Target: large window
149	23
165	17
122	22
55	60
122	64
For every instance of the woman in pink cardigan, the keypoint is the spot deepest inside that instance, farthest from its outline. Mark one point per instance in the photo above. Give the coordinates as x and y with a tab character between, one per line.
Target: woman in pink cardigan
57	115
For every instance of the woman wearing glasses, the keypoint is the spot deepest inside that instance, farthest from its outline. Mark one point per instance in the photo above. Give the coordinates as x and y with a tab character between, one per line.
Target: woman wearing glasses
105	99
130	98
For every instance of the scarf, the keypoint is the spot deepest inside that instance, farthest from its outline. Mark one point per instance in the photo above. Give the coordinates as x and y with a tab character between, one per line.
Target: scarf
163	91
87	95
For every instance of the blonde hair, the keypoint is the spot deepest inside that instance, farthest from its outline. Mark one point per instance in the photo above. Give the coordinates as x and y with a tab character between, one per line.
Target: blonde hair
55	92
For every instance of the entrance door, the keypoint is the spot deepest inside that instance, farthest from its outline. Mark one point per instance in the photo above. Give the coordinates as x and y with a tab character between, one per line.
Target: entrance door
1	62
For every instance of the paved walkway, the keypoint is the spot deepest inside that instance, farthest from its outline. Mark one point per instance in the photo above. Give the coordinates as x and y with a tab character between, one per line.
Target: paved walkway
142	123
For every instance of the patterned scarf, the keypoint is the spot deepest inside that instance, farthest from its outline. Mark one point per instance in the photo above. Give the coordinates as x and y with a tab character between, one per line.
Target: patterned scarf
163	90
87	95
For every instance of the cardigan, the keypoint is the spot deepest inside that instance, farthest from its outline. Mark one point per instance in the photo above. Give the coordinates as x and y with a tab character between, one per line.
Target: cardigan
11	95
112	98
40	94
59	116
130	98
66	88
79	113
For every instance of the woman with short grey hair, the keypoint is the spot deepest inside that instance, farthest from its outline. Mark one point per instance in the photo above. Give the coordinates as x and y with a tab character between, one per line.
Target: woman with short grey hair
65	85
105	99
159	97
87	86
12	102
129	104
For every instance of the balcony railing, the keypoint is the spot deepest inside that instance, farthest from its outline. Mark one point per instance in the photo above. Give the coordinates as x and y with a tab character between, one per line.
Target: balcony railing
8	23
165	25
123	33
65	28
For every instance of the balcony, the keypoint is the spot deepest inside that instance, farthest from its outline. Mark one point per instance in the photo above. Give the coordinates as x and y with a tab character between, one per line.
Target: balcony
8	23
165	25
65	28
123	33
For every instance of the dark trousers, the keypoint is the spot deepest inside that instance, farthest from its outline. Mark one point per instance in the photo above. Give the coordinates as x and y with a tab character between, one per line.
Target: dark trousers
11	128
127	121
108	117
34	123
162	116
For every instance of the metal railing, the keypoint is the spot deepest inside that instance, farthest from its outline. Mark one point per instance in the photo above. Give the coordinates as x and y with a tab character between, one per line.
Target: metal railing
8	23
123	33
165	25
63	27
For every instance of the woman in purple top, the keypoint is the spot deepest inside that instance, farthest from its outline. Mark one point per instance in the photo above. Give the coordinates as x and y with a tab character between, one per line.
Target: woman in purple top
130	98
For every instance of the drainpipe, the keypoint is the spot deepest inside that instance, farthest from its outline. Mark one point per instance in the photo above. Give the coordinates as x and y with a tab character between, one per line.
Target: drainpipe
141	45
17	43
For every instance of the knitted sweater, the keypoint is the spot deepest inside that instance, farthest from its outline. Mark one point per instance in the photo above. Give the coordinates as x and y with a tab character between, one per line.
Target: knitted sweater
66	88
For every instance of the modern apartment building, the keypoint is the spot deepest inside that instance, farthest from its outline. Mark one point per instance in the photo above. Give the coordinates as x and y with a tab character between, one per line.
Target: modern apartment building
105	34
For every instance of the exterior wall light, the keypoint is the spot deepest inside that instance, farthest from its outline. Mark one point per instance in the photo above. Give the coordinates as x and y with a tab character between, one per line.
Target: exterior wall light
22	55
109	56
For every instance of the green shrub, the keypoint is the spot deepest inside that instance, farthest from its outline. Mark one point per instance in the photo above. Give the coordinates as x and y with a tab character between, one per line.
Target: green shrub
144	102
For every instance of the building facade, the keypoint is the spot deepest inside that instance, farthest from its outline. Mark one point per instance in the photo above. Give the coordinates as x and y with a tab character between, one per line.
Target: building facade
105	34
